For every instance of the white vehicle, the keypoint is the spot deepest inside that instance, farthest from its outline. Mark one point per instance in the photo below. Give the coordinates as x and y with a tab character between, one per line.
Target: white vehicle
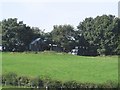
0	47
74	51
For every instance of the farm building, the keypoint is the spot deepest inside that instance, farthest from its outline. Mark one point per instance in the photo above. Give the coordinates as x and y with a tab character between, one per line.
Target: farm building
35	45
41	45
55	47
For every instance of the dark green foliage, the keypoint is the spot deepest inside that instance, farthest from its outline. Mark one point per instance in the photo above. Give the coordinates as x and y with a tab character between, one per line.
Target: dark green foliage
71	84
55	84
11	79
16	36
36	82
94	36
102	34
64	35
23	81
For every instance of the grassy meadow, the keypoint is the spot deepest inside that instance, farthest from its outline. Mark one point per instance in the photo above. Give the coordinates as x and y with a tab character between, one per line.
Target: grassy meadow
61	66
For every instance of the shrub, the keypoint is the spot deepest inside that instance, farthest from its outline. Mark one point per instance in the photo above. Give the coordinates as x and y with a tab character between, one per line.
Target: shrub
71	84
36	82
3	80
55	84
23	81
10	79
110	84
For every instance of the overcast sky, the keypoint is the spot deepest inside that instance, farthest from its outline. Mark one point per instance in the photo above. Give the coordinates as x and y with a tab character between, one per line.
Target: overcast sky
46	14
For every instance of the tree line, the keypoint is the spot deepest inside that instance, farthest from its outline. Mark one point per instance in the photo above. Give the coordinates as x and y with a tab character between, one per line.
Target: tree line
93	36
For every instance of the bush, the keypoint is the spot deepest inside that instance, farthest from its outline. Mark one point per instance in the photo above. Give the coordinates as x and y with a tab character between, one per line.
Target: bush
36	82
11	79
23	81
110	84
71	84
3	80
55	84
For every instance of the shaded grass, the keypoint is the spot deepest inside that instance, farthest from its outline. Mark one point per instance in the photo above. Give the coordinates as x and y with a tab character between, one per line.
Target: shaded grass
63	67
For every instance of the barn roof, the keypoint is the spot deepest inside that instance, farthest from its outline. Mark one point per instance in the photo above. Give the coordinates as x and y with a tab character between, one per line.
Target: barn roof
35	40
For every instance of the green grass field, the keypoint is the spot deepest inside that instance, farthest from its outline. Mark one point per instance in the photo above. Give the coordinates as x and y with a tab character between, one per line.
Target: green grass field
63	67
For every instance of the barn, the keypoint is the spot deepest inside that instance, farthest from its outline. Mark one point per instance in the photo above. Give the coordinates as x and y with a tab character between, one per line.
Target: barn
35	45
41	45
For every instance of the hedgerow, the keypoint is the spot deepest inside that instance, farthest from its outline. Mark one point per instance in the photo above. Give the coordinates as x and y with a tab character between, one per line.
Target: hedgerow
11	79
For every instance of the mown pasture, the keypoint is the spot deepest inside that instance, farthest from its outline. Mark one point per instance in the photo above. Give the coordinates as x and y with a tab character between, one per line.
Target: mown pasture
62	66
